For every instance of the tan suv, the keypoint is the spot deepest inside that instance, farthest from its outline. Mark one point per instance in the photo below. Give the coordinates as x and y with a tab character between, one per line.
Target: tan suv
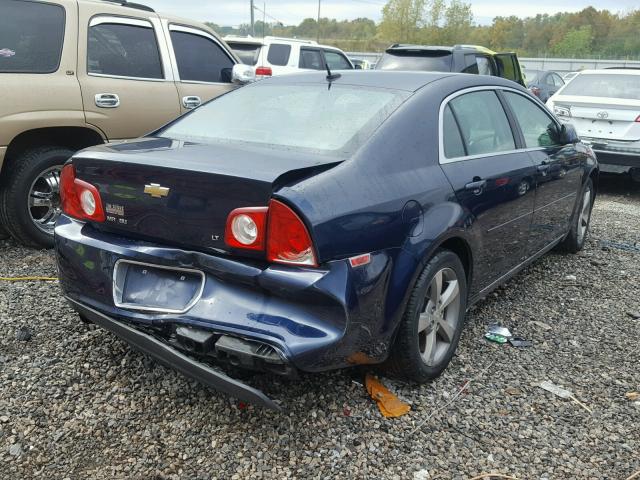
75	73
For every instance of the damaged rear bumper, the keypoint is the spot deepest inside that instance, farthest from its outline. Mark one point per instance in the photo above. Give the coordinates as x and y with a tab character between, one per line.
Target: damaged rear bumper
174	359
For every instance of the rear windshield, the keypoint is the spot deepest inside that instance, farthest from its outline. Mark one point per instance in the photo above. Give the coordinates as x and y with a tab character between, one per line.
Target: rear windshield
248	53
312	117
31	36
429	61
605	86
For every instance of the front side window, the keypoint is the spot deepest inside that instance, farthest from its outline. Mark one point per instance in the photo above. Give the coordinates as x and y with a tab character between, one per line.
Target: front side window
123	50
200	59
336	61
31	37
484	66
310	117
538	128
483	123
310	58
279	54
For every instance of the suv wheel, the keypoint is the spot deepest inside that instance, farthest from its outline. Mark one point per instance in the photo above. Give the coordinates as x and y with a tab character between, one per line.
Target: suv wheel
30	199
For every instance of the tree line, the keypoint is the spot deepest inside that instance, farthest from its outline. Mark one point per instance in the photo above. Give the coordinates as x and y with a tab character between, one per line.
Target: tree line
589	33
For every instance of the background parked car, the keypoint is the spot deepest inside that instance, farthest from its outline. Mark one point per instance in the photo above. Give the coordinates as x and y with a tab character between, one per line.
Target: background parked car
543	83
277	56
460	58
77	73
604	107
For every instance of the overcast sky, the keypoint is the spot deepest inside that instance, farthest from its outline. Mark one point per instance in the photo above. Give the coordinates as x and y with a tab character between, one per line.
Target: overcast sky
235	12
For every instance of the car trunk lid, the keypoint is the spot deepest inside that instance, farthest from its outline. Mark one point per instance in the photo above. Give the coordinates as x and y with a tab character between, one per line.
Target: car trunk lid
180	193
603	118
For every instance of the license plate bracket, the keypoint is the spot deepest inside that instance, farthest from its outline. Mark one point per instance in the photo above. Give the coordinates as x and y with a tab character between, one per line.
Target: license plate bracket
156	288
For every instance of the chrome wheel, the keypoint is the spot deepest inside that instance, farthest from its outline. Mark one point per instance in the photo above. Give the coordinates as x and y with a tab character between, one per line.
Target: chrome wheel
585	215
44	199
439	317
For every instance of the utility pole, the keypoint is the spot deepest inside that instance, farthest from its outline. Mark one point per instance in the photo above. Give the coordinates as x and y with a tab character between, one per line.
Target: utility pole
319	20
253	29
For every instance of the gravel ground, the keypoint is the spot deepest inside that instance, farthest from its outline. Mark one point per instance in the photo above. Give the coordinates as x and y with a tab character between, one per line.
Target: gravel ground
75	402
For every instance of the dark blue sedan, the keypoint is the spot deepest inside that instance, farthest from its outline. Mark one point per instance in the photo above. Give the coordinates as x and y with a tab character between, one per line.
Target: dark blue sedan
313	222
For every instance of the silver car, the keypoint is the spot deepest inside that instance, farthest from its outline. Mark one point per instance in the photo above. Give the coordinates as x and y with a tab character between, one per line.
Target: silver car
604	107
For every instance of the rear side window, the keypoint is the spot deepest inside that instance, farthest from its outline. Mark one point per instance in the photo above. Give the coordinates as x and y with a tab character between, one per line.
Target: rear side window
336	61
453	144
310	58
483	123
124	50
279	54
538	128
31	37
248	53
484	66
200	59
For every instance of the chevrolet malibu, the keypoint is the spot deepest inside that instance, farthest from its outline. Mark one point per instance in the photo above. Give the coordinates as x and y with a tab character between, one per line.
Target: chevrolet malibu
313	222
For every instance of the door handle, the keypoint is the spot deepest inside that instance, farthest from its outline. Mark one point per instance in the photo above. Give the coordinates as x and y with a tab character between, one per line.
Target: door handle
191	102
107	100
477	186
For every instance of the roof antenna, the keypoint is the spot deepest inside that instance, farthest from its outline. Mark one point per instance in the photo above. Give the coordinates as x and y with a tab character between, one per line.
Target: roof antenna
331	76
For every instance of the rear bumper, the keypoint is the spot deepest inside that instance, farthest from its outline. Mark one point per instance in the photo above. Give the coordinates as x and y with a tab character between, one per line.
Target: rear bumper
176	360
611	152
319	319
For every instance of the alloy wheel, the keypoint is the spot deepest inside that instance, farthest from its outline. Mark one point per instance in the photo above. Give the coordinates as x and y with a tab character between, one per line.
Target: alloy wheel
585	215
44	199
438	321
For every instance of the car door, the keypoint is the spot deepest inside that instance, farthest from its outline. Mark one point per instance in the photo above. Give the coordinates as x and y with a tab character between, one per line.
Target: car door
202	63
509	67
558	175
492	179
124	72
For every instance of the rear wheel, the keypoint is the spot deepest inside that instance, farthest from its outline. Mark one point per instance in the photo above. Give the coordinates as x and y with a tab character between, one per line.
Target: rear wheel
580	227
30	197
433	320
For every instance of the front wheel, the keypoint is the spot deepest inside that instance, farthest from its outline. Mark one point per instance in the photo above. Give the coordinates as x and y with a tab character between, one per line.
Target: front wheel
433	321
582	219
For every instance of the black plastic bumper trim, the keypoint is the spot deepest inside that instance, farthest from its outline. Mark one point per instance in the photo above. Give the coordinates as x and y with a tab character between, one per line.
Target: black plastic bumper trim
172	358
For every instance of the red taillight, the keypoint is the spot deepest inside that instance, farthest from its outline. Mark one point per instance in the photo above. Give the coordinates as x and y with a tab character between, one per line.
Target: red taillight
79	199
265	71
288	240
246	228
535	91
276	230
638	119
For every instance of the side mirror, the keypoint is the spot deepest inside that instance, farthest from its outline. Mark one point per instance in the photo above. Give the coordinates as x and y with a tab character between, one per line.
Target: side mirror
357	66
568	134
242	74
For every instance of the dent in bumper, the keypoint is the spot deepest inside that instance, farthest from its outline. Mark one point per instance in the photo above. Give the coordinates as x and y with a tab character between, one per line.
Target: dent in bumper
319	318
176	360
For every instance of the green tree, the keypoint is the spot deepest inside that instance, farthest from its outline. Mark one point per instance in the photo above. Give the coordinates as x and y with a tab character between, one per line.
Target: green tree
576	43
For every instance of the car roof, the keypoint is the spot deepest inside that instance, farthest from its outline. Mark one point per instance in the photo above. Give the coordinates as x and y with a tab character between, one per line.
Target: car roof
392	79
439	48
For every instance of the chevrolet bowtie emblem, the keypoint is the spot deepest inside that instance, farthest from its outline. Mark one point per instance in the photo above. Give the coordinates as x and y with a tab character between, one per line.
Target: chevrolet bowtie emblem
156	190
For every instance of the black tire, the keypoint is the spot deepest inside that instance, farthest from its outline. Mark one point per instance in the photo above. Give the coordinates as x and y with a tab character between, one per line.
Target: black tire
406	359
3	233
15	213
575	240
